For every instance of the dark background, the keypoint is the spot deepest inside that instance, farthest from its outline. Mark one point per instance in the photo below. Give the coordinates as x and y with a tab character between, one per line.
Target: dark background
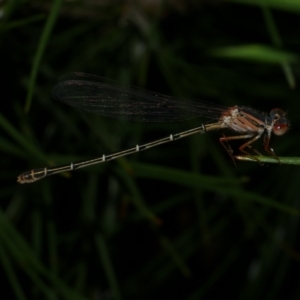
179	221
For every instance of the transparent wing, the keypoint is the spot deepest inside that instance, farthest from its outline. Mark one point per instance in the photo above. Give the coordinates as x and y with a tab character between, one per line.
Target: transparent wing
108	98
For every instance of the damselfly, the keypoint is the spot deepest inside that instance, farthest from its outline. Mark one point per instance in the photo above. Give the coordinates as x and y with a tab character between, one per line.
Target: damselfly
107	98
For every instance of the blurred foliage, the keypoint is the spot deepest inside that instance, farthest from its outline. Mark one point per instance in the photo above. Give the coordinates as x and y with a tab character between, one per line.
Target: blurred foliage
179	221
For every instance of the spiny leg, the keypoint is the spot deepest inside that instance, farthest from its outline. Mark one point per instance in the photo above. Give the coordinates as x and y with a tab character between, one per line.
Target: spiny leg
243	146
268	149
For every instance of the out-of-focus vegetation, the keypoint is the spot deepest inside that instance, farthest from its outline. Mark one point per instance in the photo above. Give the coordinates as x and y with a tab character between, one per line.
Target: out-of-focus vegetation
179	221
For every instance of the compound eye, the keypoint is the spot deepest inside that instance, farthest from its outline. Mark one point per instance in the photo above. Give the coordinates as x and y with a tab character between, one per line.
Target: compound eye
281	128
277	113
280	123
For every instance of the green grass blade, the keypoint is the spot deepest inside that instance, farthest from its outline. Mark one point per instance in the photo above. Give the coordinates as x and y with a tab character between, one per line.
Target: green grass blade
41	48
270	159
255	52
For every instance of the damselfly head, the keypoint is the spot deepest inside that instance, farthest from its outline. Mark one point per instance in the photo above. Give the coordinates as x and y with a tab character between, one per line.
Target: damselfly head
280	122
